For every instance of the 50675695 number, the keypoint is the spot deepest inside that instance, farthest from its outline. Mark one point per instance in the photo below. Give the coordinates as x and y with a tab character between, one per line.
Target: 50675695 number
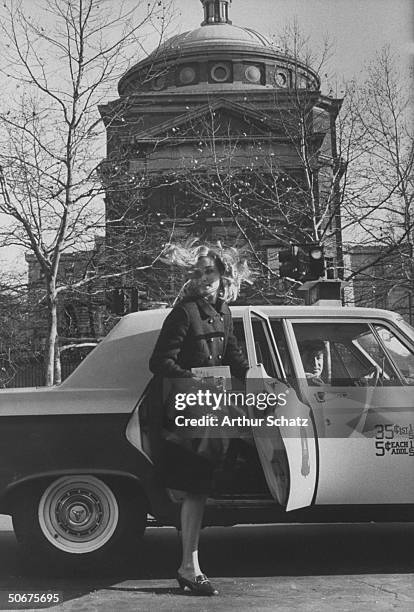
25	598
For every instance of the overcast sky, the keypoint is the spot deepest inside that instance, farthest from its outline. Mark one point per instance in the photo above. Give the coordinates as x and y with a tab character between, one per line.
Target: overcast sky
357	29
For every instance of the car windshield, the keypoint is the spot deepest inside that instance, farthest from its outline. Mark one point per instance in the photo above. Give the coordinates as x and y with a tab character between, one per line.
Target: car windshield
405	327
400	354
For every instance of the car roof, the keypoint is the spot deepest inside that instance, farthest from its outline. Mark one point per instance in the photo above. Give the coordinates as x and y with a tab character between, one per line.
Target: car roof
317	311
281	311
152	319
121	359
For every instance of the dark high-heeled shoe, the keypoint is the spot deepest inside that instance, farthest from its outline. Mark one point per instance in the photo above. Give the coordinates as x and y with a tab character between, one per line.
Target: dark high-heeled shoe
200	586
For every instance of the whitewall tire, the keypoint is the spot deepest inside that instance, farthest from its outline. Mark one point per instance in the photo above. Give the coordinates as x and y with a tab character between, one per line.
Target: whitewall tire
79	521
78	515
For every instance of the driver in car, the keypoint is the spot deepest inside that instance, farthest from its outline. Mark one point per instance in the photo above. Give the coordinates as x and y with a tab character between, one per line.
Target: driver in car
312	354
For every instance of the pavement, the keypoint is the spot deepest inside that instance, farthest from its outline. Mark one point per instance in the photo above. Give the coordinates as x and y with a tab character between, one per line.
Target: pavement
284	594
309	568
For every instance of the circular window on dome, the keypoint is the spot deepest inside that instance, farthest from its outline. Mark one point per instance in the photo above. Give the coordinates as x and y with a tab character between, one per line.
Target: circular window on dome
220	73
281	78
253	74
159	83
187	75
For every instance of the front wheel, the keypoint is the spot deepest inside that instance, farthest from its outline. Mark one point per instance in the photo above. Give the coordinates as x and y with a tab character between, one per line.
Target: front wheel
79	520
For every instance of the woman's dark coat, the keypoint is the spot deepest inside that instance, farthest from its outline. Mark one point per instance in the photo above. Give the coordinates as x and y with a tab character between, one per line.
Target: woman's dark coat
194	334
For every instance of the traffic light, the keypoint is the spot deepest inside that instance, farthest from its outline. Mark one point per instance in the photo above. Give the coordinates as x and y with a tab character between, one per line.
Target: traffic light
289	263
124	300
116	301
302	263
316	262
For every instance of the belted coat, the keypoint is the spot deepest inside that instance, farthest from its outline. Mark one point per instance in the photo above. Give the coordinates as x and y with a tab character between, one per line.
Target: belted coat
197	334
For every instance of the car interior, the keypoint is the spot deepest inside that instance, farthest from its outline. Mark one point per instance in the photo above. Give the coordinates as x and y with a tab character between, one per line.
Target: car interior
354	354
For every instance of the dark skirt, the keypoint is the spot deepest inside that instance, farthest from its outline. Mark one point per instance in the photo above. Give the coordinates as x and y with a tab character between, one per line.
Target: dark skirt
183	463
182	468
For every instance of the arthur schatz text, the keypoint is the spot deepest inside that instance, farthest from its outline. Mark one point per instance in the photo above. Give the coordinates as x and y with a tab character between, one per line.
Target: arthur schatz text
212	420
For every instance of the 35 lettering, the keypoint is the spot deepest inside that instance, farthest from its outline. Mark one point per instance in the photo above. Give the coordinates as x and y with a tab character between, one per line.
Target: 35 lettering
382	432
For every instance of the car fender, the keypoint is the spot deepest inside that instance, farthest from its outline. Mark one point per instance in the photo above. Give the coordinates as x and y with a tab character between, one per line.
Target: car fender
12	490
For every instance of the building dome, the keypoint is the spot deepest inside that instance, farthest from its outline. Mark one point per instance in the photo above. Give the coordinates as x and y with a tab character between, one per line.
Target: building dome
218	56
224	35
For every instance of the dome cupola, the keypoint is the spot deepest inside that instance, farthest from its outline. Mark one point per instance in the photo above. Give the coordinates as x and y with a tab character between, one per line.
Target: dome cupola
216	57
215	11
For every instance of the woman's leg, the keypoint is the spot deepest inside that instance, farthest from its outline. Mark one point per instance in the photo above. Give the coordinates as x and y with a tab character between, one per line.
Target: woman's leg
192	511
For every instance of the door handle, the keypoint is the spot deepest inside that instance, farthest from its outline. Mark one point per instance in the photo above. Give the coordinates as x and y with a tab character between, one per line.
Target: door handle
322	396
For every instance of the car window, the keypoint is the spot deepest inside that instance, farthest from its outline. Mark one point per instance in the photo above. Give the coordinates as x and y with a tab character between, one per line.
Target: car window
262	343
345	362
343	353
279	334
238	330
401	354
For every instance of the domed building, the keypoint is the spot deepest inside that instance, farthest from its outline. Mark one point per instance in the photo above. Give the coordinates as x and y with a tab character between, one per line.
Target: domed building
216	58
222	135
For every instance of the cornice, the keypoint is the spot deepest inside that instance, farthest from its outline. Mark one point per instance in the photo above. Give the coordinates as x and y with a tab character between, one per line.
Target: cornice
174	101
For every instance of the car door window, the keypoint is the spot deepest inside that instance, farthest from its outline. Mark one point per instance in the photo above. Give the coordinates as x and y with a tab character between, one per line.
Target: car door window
264	350
345	362
350	353
238	330
279	334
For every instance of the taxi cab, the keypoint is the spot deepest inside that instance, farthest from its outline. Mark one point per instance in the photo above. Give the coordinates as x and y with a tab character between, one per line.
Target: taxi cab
77	468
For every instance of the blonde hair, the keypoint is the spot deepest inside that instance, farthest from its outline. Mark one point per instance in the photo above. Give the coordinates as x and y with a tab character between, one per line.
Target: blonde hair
232	266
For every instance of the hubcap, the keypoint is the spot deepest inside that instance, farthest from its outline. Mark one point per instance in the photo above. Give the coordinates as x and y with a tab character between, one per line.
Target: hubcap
78	514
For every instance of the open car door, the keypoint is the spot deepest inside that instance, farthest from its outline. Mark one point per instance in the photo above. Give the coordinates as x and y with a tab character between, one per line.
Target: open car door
285	441
364	410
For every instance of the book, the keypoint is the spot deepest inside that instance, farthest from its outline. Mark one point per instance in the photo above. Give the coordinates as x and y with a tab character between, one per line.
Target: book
218	376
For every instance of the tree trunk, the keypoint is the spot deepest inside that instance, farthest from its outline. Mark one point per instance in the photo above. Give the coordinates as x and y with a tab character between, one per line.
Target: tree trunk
58	365
52	334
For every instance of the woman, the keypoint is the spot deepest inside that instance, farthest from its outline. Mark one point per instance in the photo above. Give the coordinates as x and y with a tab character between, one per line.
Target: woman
198	332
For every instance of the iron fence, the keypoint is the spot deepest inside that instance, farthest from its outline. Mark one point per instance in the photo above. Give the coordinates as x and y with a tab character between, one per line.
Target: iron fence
30	373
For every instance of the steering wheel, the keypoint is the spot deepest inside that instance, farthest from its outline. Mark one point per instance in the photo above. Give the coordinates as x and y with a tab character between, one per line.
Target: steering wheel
373	377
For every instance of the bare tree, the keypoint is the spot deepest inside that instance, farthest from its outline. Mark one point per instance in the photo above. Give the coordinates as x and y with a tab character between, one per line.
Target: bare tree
380	183
14	349
60	63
